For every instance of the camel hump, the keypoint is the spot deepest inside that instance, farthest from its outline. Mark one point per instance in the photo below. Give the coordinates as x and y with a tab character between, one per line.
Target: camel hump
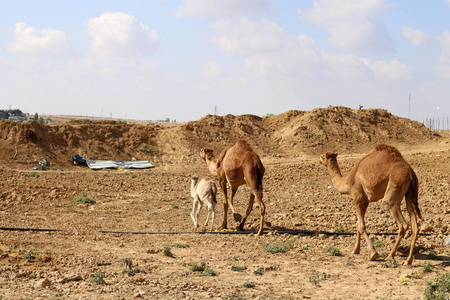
388	148
240	145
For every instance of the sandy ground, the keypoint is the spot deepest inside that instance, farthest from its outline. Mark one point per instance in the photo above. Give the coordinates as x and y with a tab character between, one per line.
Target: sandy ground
155	205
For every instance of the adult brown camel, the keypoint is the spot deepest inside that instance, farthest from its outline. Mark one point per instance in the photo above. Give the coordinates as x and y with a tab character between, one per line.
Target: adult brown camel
238	165
381	174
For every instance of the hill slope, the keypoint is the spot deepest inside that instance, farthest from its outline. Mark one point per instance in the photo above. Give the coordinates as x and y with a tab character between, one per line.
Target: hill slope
292	133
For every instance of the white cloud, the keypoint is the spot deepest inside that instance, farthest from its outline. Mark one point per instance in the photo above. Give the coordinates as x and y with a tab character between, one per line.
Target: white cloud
444	40
220	8
211	69
40	42
415	36
122	35
267	47
352	24
442	65
390	71
248	37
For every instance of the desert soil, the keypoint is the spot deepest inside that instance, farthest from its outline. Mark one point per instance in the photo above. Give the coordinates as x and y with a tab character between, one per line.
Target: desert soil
144	214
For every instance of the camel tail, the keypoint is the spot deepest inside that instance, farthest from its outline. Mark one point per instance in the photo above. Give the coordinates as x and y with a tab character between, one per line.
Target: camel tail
413	194
260	170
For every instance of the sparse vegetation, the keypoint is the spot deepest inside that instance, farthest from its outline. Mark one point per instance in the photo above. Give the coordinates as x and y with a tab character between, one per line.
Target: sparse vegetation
440	289
313	280
249	284
29	255
178	245
32	174
237	268
128	262
167	251
277	248
427	267
203	268
147	150
342	230
378	243
392	263
333	251
258	271
84	199
98	278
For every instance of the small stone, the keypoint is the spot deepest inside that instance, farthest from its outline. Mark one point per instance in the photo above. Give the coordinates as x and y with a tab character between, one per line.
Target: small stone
43	283
447	241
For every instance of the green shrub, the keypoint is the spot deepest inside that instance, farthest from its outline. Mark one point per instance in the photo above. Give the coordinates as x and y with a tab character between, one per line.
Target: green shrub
84	199
392	263
440	289
277	248
32	174
427	267
167	251
249	284
98	278
202	268
128	262
237	268
29	255
378	243
258	271
333	251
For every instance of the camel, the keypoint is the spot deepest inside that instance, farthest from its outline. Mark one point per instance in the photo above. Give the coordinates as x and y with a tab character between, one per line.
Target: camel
381	174
237	165
203	192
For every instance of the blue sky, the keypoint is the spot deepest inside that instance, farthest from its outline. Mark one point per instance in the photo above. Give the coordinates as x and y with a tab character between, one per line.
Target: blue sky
180	59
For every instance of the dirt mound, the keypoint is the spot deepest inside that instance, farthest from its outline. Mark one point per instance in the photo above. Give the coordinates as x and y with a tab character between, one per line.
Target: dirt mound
297	133
91	139
293	133
343	129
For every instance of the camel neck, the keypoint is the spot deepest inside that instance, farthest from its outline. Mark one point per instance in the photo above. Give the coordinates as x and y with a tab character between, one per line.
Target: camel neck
212	166
339	182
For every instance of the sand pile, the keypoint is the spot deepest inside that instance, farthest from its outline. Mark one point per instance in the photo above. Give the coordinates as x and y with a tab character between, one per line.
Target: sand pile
292	133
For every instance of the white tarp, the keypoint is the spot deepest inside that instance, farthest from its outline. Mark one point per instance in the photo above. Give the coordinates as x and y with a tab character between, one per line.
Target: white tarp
112	164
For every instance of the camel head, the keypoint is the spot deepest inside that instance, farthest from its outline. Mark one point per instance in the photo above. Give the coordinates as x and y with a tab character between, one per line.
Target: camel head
327	157
207	154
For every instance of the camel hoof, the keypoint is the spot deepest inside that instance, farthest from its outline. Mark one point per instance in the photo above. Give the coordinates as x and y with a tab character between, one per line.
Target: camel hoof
373	256
237	217
355	252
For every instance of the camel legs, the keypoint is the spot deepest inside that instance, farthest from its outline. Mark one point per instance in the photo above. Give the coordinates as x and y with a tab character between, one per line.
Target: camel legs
251	200
361	205
237	217
207	216
394	208
248	211
197	205
213	214
223	186
414	229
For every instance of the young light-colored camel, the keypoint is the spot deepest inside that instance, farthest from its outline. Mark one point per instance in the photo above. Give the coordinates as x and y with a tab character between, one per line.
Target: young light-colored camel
203	192
238	165
381	174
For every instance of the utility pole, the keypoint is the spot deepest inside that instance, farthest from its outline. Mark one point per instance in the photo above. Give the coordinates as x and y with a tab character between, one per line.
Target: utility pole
409	107
215	110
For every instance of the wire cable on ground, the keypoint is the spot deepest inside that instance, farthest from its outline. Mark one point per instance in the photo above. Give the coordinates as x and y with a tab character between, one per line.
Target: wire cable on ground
295	232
